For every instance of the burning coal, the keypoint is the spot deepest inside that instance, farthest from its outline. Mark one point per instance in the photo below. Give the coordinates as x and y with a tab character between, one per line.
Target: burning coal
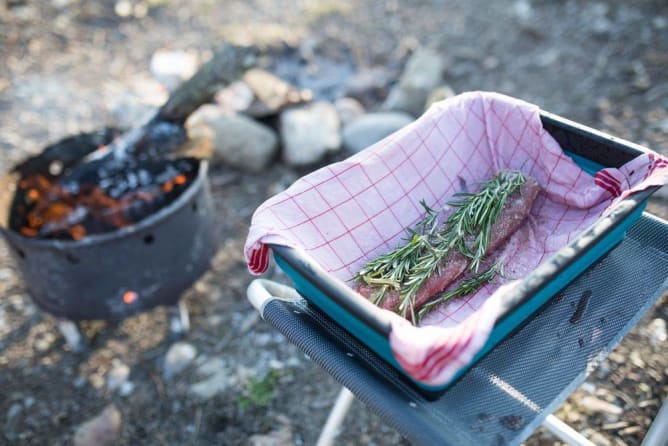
119	196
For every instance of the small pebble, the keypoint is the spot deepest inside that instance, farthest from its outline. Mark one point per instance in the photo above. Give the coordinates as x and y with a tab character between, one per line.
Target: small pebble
118	375
657	331
178	357
103	430
126	388
123	8
593	404
13	411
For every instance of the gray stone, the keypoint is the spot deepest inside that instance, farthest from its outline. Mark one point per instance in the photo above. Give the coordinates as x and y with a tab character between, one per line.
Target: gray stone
348	110
118	375
282	436
214	378
599	24
211	366
236	97
657	331
369	86
126	388
309	133
178	357
523	11
371	128
237	139
3	321
44	341
14	410
593	404
102	430
215	384
423	73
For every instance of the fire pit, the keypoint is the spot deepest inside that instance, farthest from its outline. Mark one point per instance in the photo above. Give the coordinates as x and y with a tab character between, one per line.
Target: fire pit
139	254
108	224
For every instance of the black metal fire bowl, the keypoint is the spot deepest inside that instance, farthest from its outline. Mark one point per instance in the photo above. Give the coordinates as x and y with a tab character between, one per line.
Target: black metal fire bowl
113	275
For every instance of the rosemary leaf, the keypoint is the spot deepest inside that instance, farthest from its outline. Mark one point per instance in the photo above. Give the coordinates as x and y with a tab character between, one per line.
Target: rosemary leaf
466	287
389	270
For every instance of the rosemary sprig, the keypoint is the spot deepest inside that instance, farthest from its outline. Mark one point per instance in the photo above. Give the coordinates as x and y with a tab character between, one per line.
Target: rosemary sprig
468	229
466	287
389	270
476	213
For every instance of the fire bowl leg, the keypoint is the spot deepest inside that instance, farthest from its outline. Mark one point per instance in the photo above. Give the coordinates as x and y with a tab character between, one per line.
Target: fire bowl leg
72	334
179	320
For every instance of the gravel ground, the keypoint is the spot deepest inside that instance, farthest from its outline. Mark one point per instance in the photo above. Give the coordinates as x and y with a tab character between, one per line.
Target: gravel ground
72	66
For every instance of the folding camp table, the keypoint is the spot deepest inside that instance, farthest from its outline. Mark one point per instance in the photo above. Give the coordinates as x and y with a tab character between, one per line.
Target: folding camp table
513	389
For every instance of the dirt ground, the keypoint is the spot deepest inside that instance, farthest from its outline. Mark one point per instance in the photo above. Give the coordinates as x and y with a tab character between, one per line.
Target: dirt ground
73	65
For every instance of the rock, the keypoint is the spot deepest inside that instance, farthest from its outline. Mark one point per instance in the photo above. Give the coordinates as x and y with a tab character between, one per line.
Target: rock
14	410
599	439
236	97
118	375
423	73
215	384
171	68
44	341
522	11
5	274
211	366
309	133
102	430
79	382
600	25
3	321
641	78
636	359
126	388
272	94
178	357
348	110
123	8
368	86
603	371
237	139
657	330
439	94
371	128
217	378
282	436
596	405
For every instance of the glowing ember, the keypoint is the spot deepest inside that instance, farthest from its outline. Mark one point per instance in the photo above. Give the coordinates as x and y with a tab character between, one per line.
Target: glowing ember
129	297
105	200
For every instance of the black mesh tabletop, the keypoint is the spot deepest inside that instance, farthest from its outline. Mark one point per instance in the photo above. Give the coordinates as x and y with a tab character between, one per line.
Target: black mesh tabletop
504	398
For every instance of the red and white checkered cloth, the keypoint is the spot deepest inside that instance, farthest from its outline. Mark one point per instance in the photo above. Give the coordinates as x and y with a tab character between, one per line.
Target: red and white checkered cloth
348	213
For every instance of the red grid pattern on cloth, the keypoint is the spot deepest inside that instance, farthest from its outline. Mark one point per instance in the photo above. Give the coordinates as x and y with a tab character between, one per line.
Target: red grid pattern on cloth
350	212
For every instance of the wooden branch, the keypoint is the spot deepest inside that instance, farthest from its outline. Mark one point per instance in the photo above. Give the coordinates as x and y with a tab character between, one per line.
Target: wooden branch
228	65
